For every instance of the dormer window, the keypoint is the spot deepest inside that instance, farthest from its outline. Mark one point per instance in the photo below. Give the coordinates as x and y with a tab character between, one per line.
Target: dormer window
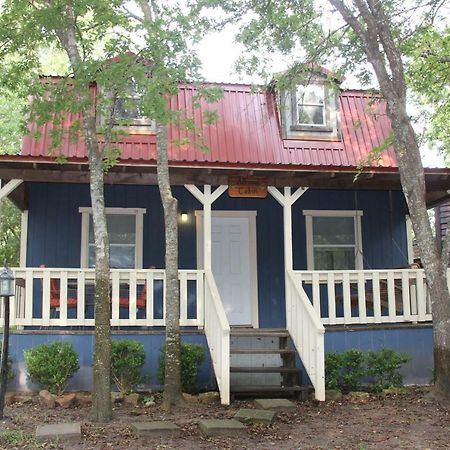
127	110
310	111
310	105
128	115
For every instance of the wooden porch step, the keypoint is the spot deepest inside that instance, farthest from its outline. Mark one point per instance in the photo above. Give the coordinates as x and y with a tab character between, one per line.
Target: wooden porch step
255	389
261	351
259	332
237	369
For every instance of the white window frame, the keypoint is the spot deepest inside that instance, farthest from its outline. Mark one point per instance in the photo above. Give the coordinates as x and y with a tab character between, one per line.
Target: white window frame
356	214
137	212
299	102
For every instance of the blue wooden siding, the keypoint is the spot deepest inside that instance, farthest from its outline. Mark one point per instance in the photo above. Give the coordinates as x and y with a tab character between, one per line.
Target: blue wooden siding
416	342
54	230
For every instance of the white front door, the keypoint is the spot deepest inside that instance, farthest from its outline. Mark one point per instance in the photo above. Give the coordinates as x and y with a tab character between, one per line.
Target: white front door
233	245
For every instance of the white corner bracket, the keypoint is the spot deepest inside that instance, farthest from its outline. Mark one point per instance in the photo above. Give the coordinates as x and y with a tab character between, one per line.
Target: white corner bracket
9	187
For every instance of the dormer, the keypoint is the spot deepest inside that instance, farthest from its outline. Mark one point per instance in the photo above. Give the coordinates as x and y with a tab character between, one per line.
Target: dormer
309	109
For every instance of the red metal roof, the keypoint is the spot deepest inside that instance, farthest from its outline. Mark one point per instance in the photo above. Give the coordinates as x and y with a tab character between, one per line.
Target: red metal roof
248	134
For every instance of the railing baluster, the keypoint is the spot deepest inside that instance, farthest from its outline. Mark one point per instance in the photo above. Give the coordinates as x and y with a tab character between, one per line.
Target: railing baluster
376	297
200	300
347	297
391	297
405	296
421	308
63	299
183	297
81	297
115	298
132	296
331	299
46	298
149	313
362	310
316	292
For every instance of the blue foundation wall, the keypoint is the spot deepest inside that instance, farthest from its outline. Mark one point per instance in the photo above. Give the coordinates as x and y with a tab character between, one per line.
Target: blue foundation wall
83	344
54	230
417	342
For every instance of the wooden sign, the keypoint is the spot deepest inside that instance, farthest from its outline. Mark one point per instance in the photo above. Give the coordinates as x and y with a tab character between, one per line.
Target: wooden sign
248	187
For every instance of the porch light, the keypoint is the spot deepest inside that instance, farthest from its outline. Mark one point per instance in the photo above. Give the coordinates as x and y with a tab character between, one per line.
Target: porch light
184	216
6	282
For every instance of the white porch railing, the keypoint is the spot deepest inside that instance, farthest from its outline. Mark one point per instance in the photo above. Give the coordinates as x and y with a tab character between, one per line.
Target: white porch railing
367	296
217	331
65	297
307	333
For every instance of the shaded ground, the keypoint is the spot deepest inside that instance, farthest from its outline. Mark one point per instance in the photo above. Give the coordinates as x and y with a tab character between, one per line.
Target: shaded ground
403	421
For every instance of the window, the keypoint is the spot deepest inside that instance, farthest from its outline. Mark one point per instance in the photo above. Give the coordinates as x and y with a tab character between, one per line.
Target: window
128	114
125	228
310	105
310	111
333	240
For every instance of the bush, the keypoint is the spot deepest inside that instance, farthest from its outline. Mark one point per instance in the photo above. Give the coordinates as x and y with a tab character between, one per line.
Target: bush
51	365
9	369
383	366
345	371
191	357
127	359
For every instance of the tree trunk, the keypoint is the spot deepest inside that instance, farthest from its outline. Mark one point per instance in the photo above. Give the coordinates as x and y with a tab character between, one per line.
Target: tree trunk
374	30
4	360
172	382
101	405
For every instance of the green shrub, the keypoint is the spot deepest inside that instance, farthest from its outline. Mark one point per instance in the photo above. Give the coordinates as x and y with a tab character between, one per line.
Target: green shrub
191	357
345	371
51	365
127	359
9	369
383	367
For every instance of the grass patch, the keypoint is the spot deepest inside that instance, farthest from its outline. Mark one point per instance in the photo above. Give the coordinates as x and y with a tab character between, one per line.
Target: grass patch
19	439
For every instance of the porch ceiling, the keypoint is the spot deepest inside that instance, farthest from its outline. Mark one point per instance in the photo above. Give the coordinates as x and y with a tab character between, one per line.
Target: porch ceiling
437	180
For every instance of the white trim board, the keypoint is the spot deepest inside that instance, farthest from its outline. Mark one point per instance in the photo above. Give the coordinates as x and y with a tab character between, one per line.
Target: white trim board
251	215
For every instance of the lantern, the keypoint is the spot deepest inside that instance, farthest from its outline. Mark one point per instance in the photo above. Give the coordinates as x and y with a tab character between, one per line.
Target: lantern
6	282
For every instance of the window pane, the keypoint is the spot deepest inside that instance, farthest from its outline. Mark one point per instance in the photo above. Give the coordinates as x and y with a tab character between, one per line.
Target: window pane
334	258
311	115
333	230
311	94
121	229
127	108
119	257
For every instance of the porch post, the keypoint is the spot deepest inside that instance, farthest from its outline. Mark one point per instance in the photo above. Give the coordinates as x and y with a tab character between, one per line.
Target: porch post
206	198
286	201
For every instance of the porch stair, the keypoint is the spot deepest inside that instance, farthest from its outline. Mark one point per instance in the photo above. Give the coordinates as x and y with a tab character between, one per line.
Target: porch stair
263	363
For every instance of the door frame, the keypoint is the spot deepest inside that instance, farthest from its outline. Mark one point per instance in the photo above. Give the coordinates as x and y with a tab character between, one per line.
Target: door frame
251	216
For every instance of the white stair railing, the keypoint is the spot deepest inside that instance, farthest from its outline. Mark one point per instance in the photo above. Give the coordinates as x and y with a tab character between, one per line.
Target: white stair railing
217	331
307	333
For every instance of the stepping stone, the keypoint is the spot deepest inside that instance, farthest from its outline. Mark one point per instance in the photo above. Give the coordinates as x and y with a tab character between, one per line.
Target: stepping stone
275	404
155	429
255	415
212	427
61	431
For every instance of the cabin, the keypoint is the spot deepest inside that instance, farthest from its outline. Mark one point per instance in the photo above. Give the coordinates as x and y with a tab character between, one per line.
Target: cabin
294	240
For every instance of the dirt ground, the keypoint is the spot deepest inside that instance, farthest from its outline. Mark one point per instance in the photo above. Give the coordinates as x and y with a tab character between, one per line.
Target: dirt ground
401	421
